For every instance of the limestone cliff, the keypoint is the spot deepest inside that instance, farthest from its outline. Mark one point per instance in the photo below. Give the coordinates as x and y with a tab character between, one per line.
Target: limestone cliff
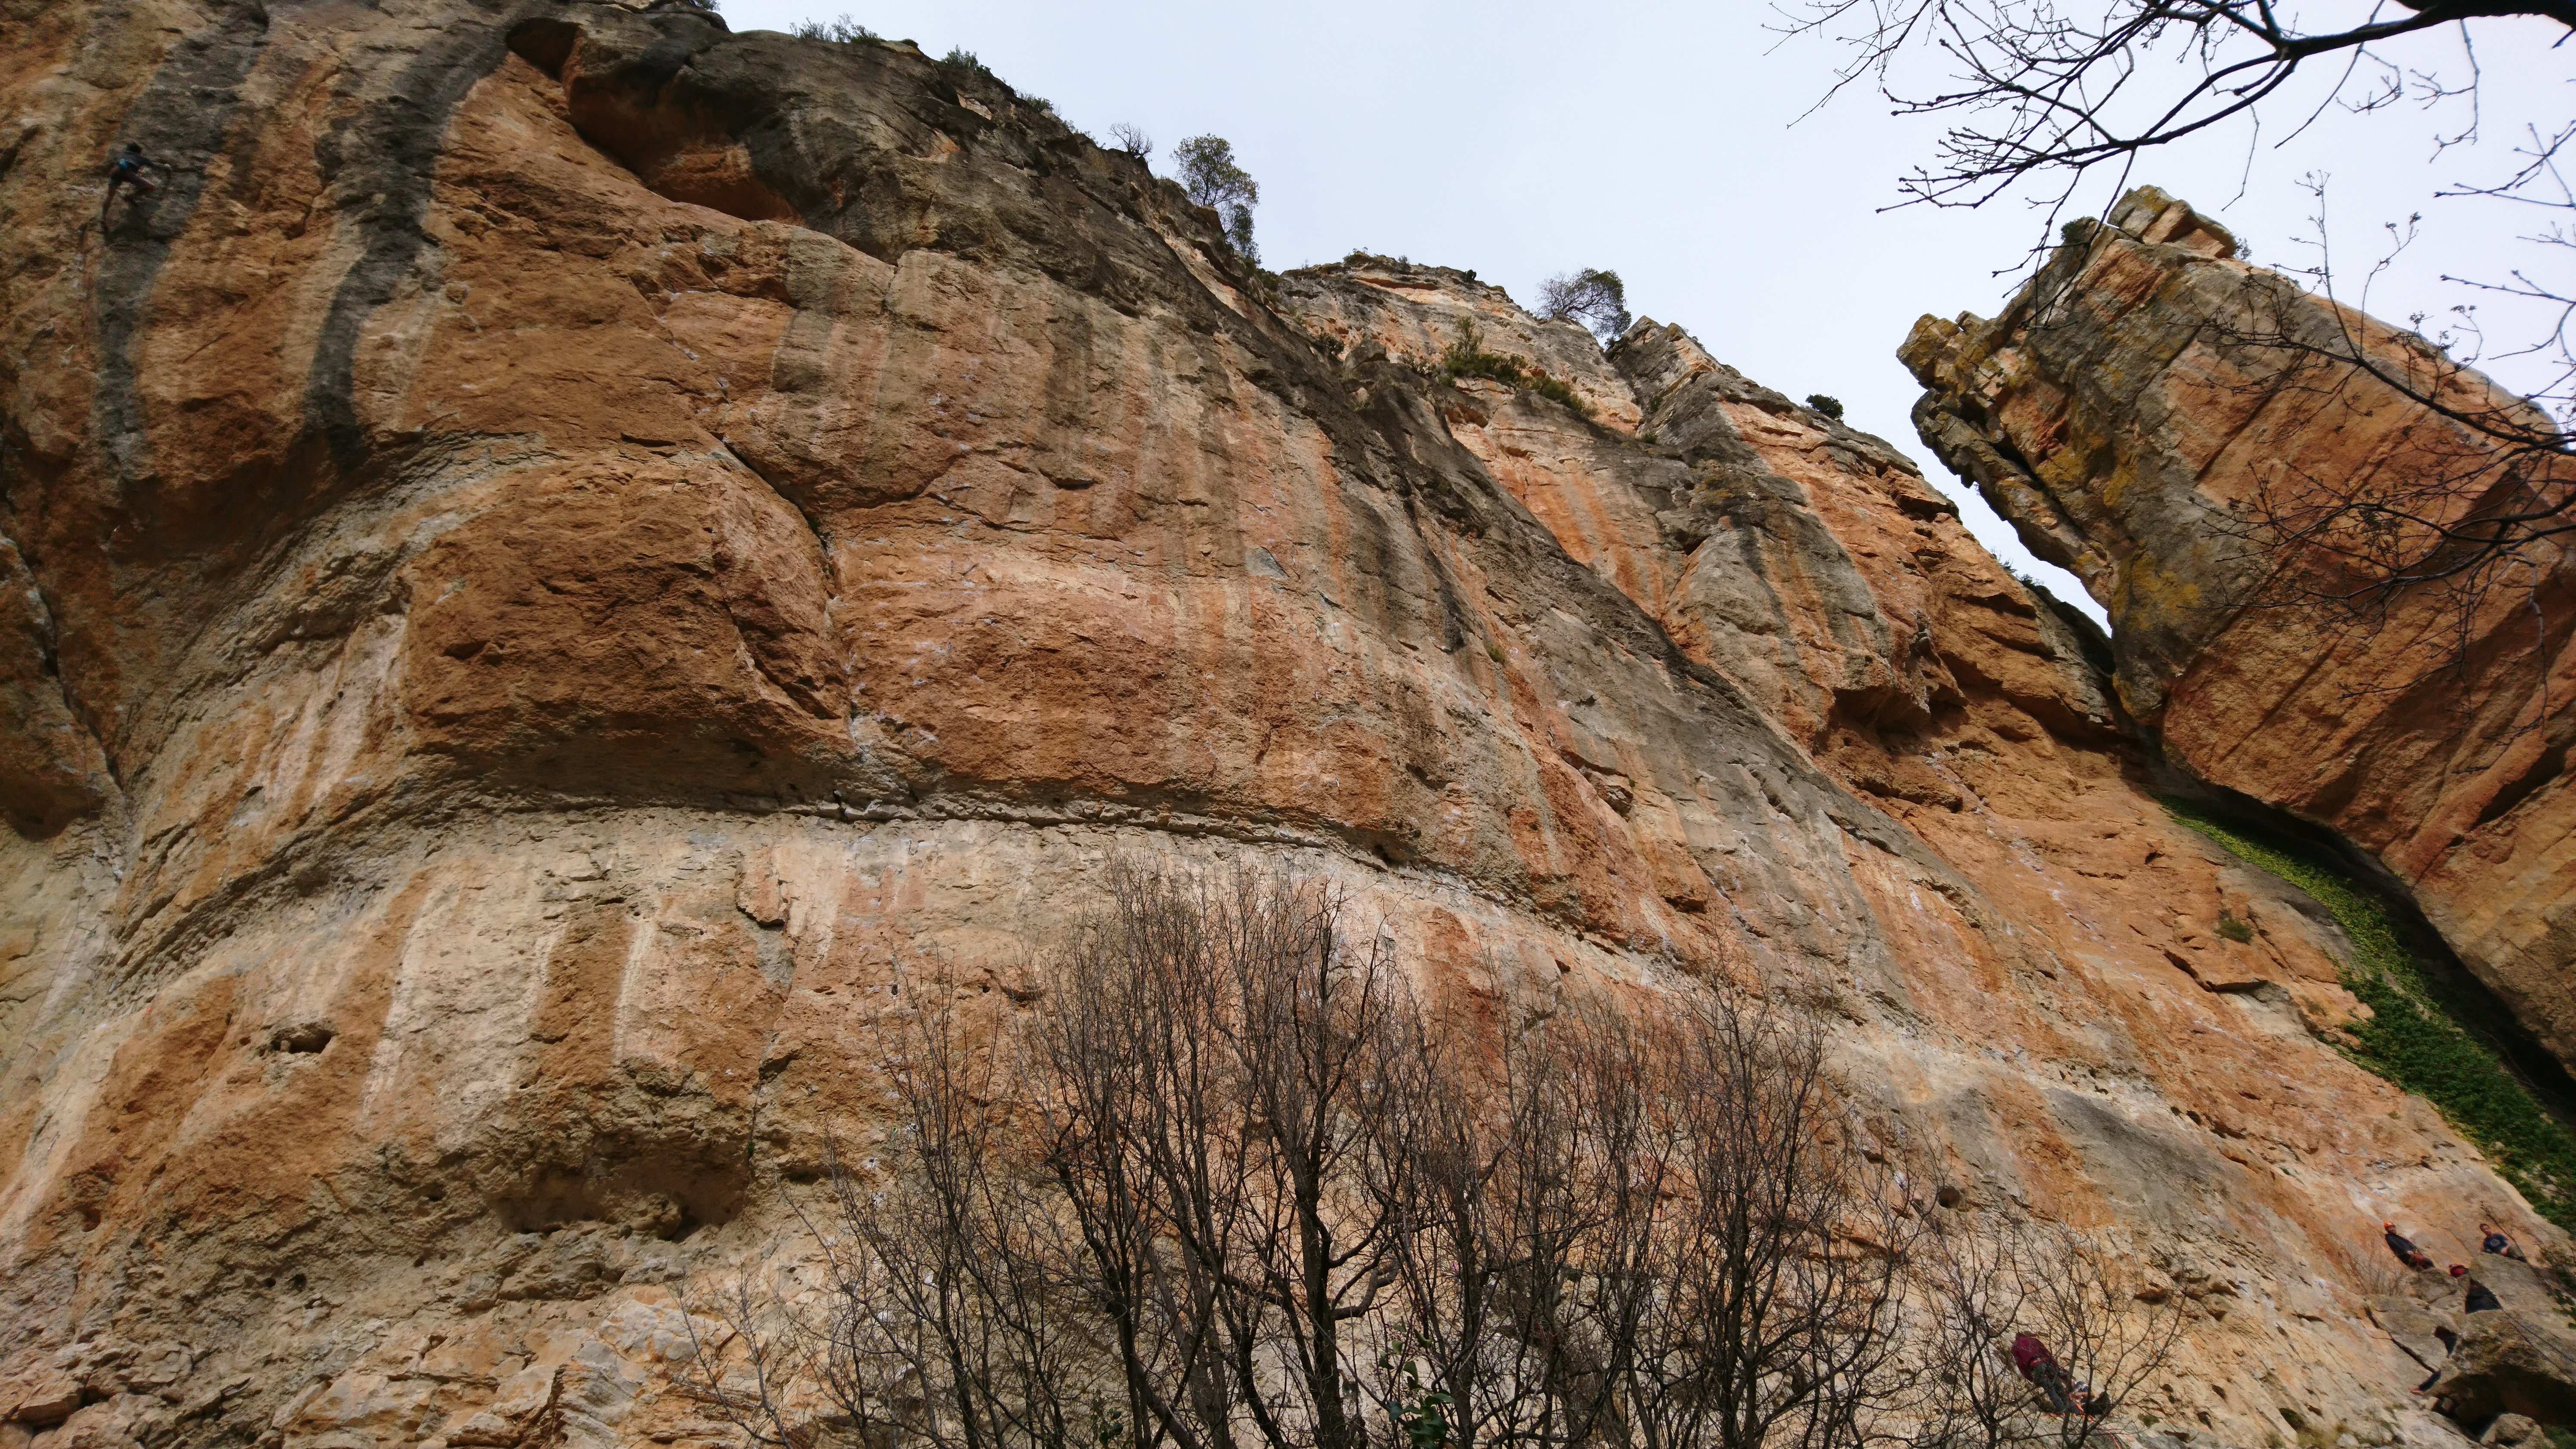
2116	412
562	540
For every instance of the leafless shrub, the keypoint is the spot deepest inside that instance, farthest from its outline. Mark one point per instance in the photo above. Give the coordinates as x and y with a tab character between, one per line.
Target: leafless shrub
1220	1056
752	1371
1132	140
1523	1194
2108	1324
932	1310
2047	90
1781	1257
1237	1185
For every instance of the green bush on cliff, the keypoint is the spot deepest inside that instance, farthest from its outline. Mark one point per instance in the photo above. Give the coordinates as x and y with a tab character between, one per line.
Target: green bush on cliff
1559	390
2416	1036
1467	357
1493	366
1213	179
842	30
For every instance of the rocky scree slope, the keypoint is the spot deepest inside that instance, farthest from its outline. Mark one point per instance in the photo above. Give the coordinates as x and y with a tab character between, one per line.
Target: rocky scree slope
564	541
2126	412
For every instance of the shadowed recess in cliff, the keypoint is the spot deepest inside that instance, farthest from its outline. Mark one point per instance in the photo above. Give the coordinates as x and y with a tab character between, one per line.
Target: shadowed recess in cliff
2434	1030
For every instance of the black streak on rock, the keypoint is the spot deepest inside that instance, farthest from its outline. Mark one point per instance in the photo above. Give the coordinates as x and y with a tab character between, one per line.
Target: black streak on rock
180	120
387	153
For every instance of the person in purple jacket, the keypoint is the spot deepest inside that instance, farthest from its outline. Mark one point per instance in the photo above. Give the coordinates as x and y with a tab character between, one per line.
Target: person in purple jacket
2038	1365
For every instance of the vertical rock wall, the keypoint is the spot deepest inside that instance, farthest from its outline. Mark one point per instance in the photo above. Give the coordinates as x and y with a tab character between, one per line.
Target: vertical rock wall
564	543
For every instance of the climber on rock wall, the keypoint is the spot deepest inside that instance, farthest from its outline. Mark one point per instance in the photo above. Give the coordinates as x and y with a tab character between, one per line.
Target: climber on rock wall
2038	1365
2492	1241
126	170
2405	1249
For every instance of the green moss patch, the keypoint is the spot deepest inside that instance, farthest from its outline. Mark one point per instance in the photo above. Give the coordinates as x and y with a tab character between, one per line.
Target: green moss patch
2420	1036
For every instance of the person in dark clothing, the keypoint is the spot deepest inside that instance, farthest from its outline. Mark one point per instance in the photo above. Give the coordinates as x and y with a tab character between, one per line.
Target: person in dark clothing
126	170
2405	1249
2037	1364
2491	1241
2482	1299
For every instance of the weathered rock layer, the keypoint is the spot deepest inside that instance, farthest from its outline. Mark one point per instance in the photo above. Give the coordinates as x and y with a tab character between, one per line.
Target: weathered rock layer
563	542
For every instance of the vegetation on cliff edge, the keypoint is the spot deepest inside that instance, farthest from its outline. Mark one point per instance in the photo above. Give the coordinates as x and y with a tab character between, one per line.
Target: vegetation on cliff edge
1467	357
1592	298
2419	1035
1213	179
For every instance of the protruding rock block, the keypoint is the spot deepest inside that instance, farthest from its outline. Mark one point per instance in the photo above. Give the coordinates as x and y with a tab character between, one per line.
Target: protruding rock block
2137	411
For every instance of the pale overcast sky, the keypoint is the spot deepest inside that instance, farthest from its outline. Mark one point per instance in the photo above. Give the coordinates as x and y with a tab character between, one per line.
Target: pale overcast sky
1657	140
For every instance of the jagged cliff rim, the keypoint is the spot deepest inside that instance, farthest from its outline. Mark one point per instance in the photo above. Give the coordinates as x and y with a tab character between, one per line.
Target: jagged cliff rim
393	230
874	793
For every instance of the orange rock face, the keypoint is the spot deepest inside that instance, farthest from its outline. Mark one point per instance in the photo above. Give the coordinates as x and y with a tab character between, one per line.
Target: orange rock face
560	548
2118	413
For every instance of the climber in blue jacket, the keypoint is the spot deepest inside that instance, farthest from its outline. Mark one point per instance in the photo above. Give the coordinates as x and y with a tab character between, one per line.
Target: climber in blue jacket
2492	1241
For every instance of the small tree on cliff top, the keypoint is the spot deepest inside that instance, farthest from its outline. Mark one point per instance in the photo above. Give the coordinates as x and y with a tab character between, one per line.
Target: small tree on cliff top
1211	176
1592	297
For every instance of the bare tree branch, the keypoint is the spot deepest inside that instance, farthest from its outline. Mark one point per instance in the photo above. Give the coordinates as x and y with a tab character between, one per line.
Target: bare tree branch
1239	1186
